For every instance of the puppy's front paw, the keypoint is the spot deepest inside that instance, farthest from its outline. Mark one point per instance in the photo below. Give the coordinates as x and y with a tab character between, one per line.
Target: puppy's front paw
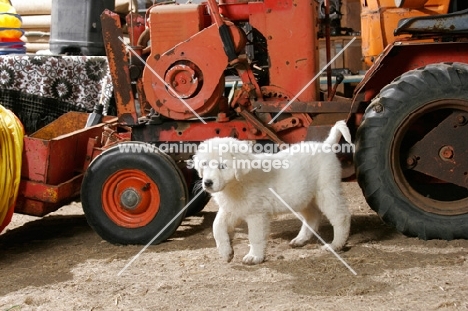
226	253
297	242
252	260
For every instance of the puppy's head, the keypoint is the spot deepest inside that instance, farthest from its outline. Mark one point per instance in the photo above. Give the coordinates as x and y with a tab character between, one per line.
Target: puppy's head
220	161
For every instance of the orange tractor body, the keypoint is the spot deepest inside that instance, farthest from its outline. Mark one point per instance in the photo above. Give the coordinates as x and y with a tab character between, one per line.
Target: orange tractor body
379	19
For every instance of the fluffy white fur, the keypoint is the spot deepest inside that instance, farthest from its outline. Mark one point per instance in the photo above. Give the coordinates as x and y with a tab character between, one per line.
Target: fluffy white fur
311	185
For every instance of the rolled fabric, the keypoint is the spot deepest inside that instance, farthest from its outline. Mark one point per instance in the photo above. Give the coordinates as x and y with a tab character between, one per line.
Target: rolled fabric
32	7
33	47
36	21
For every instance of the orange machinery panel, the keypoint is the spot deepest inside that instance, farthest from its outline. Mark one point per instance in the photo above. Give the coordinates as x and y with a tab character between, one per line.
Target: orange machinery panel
174	24
293	54
379	18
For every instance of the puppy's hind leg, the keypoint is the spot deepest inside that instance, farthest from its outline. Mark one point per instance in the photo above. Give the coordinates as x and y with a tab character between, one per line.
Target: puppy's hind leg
259	229
312	217
332	205
223	227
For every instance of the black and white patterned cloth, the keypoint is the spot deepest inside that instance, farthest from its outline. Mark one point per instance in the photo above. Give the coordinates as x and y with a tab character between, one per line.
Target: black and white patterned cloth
39	89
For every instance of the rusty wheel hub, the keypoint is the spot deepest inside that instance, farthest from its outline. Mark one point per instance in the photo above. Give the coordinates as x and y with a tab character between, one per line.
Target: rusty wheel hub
185	79
130	199
430	157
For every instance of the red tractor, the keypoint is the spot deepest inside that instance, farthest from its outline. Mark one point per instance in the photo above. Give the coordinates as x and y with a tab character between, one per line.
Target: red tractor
408	115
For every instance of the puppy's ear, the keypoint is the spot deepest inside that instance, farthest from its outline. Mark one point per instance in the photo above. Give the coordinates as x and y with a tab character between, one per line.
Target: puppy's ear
196	165
242	165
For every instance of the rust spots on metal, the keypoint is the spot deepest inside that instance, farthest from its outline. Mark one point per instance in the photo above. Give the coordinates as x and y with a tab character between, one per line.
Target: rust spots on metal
118	65
304	107
446	153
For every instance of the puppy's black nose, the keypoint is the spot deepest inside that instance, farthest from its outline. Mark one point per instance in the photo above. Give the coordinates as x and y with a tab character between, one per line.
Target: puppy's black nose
208	183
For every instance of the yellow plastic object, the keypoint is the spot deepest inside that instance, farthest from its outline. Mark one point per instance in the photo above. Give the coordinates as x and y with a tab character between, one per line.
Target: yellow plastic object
11	149
6	7
10	23
10	20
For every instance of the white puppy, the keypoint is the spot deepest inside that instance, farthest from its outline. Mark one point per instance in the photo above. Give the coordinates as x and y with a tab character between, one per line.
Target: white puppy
307	176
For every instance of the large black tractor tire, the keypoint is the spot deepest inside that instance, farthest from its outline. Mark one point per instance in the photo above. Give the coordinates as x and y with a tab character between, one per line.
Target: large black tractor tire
405	111
134	194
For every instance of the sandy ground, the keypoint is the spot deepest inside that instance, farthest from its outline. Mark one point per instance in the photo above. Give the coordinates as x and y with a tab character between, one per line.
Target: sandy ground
59	263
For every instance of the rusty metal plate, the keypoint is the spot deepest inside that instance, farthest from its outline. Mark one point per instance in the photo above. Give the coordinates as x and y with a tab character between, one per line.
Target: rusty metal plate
118	64
304	107
441	153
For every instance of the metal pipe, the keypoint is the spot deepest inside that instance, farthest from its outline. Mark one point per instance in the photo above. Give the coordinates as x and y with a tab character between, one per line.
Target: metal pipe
328	47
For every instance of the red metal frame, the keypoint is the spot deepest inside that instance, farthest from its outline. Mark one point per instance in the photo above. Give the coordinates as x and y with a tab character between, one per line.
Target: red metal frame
54	162
404	56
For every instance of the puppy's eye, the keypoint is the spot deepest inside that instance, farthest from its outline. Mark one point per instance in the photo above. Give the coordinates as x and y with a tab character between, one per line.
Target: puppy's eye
203	163
222	166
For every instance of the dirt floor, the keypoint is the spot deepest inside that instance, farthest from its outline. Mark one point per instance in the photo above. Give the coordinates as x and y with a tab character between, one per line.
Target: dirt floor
59	263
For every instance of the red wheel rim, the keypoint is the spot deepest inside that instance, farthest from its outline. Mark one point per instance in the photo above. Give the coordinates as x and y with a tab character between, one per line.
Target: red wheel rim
130	198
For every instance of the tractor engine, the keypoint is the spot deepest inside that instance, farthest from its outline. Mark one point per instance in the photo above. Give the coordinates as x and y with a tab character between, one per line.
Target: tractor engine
185	73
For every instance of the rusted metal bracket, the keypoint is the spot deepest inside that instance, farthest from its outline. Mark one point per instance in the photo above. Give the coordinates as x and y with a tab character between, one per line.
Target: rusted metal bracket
304	107
118	64
285	124
259	125
441	153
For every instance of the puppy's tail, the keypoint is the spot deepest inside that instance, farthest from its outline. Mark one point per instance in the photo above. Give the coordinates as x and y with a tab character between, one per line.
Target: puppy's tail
340	128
